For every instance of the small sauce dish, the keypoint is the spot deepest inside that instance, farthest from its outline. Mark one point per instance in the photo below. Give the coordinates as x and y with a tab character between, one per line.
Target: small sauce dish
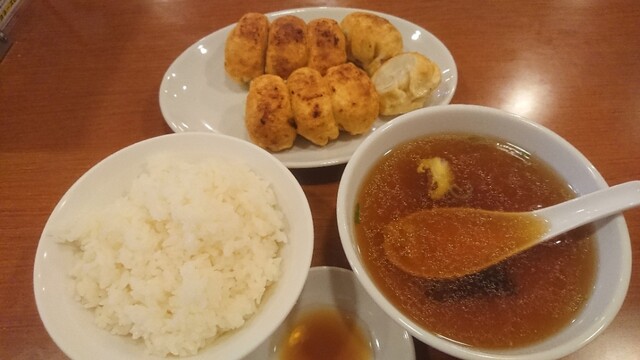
330	292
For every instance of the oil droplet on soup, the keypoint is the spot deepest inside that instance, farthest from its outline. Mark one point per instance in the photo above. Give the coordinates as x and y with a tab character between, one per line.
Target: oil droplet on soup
519	301
325	333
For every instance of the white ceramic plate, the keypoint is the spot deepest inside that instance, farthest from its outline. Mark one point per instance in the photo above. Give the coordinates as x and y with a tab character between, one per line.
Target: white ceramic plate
197	95
339	288
72	327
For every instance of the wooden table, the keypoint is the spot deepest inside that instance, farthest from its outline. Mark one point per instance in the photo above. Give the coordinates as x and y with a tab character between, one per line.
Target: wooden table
81	81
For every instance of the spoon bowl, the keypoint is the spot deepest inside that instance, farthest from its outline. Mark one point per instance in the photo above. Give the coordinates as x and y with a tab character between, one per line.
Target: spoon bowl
444	243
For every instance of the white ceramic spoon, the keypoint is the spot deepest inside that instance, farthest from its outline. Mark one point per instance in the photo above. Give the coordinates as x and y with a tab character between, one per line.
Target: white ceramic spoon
443	243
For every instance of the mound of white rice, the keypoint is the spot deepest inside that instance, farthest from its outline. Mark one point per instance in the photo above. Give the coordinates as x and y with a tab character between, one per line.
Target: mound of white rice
183	257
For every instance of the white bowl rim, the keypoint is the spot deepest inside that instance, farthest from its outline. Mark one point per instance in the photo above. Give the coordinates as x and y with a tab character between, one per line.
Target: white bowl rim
440	343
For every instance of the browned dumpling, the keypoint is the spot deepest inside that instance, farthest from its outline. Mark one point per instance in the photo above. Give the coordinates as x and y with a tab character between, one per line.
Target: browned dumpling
405	82
327	44
268	114
287	46
246	46
311	104
371	40
353	98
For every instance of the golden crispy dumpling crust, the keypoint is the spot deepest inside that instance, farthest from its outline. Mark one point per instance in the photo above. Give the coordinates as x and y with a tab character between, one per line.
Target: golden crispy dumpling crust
311	104
327	44
353	98
246	46
371	40
268	114
287	46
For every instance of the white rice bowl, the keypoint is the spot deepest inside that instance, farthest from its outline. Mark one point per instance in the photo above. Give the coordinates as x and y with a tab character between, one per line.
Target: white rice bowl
153	251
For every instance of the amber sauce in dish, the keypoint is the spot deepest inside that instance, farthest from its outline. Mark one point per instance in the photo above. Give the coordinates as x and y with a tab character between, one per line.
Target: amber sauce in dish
517	302
325	333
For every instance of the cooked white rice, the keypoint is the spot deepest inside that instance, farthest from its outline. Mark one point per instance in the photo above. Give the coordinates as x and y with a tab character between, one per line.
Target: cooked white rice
185	256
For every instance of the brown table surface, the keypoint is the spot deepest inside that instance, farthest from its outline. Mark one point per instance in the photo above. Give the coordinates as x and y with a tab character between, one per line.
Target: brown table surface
81	81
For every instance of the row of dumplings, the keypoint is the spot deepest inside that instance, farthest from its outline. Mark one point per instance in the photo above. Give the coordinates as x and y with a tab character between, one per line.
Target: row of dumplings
309	104
255	46
380	79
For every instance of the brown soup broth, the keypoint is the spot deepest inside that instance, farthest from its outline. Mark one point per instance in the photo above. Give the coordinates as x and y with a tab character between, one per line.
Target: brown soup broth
517	302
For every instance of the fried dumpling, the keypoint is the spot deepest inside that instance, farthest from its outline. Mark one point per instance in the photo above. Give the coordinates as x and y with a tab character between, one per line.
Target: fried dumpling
311	104
287	46
268	114
405	82
327	44
353	98
371	40
245	47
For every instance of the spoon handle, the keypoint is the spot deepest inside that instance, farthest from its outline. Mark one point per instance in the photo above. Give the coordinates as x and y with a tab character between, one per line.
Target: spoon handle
590	207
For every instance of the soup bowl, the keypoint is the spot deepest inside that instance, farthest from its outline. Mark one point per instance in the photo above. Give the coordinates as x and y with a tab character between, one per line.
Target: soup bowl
612	244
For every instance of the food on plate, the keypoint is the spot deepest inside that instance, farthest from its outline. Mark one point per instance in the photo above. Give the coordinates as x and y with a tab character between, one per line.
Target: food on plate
405	82
353	98
311	105
268	115
327	46
371	40
181	258
500	307
362	63
308	104
245	47
286	46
